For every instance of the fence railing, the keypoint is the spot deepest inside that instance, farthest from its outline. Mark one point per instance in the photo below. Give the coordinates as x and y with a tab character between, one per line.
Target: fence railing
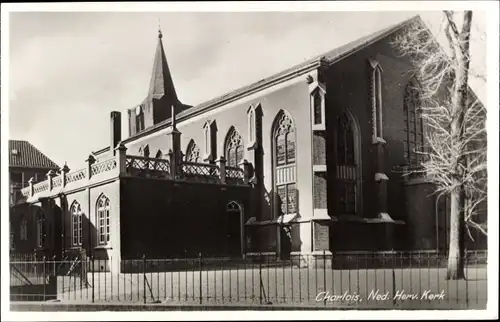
391	280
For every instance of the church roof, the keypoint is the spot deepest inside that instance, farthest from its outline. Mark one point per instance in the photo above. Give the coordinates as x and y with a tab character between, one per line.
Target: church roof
329	58
24	154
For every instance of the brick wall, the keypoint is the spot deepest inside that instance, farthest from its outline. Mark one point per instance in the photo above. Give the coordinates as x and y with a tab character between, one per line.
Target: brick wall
163	219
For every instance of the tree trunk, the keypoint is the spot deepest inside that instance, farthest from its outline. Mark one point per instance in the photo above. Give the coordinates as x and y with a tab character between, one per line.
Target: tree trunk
457	226
459	106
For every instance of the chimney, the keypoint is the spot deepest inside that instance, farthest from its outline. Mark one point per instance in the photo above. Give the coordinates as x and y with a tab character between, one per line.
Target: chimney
116	130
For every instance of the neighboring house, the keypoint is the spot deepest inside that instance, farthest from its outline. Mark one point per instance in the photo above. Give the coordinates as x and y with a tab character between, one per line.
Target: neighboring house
298	163
26	163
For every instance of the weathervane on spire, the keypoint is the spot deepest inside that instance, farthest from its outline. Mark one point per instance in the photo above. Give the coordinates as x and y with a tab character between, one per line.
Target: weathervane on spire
159	29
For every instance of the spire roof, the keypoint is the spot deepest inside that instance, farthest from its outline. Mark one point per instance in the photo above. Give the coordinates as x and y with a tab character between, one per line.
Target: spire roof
161	83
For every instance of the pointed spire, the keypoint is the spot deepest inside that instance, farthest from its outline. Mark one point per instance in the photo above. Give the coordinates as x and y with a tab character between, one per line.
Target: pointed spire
161	83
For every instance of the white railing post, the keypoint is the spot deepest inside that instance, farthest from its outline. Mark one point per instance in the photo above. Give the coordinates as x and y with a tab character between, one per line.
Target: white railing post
50	177
121	158
30	182
221	163
90	161
245	166
64	172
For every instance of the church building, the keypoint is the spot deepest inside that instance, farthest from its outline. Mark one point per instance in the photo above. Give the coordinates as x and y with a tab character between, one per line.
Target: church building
300	163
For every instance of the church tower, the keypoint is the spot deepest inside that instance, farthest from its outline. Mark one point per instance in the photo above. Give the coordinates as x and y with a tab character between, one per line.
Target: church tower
161	99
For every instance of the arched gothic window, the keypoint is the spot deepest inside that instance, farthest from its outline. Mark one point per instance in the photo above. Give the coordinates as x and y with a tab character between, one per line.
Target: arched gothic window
345	141
348	184
192	152
139	119
318	114
233	148
103	225
376	90
76	223
251	125
159	154
284	164
414	137
233	207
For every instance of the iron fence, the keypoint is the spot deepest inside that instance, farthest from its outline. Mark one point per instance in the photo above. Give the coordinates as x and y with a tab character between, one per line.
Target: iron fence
355	280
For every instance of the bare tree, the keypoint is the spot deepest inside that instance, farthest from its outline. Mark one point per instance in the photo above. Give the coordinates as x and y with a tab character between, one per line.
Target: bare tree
454	157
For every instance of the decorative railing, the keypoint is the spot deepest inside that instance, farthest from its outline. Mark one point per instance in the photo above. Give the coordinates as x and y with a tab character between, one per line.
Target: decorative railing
41	186
147	167
76	175
57	181
103	166
25	191
143	167
234	175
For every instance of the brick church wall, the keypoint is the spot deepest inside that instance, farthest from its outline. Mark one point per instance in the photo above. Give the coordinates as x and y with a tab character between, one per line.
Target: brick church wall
163	219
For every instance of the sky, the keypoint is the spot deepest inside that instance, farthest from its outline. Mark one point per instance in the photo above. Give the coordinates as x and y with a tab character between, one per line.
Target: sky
69	70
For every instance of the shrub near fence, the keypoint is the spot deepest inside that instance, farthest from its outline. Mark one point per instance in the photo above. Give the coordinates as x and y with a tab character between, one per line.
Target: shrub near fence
390	280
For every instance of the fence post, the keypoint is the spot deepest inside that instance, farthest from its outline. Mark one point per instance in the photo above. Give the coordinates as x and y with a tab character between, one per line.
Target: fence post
144	277
93	284
44	278
324	275
201	275
260	280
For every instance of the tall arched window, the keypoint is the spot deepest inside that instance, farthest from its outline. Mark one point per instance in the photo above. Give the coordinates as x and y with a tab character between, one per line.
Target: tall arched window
284	163
139	119
376	90
76	224
347	183
414	138
192	152
233	148
103	227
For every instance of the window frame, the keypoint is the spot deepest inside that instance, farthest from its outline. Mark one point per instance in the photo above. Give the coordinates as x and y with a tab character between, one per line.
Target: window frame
413	121
234	147
285	131
103	217
76	218
376	84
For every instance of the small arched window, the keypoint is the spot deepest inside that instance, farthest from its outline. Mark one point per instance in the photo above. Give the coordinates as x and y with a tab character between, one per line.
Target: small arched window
139	119
233	148
251	125
318	113
76	224
159	154
103	217
192	152
414	137
233	207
